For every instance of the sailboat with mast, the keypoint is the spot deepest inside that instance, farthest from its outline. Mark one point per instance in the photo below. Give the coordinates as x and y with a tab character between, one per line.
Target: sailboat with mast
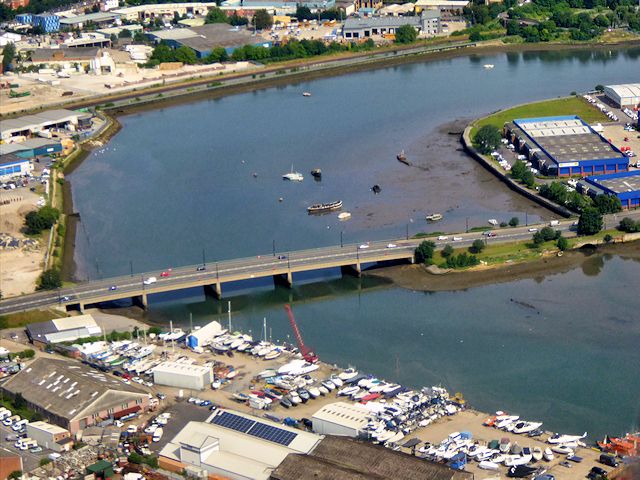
293	176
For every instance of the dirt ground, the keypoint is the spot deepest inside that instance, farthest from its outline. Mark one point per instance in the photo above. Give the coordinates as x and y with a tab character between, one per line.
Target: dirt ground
19	268
416	277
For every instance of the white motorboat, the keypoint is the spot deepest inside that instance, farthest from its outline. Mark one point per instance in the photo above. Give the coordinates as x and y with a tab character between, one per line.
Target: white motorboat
488	66
337	381
244	347
493	221
344	216
273	354
548	454
323	390
562	449
295	398
384	436
537	454
497	458
236	343
329	385
396	438
378	388
348	374
314	392
558	438
347	391
306	94
505	445
433	217
526	427
487	465
514	460
359	395
390	388
507	421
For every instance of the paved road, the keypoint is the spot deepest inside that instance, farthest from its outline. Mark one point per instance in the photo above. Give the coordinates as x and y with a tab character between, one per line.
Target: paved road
263	265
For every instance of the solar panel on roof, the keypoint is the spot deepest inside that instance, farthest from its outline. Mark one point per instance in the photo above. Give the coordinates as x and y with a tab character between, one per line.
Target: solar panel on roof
254	428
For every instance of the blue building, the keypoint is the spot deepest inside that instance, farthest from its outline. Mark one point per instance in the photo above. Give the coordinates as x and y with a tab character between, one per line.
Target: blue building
624	185
32	147
48	23
13	166
24	18
565	146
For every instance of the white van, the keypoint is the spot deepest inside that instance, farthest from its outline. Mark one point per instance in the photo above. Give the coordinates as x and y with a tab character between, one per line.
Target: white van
157	435
10	420
18	425
26	445
20	441
4	413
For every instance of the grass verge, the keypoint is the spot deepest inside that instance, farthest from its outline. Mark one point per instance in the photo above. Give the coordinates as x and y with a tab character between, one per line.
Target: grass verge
21	319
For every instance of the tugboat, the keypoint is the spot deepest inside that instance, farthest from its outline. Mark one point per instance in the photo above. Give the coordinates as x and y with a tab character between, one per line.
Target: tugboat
324	207
316	173
403	158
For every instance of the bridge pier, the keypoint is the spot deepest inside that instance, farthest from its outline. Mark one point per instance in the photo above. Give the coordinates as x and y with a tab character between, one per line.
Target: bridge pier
285	279
353	270
141	301
214	290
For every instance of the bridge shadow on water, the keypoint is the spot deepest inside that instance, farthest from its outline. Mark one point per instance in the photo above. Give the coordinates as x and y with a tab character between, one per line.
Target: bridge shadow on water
307	287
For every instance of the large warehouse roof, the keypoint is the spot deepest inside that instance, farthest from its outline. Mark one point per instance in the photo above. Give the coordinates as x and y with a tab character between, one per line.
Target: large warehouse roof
567	139
626	90
231	452
618	182
64	329
41	119
351	415
67	389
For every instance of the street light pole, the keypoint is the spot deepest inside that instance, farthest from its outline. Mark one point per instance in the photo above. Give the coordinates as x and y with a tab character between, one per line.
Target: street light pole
467	224
341	244
407	231
131	267
204	261
526	219
274	248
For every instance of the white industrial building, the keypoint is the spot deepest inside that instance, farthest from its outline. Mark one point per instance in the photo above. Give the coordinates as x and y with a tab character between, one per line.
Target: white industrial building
234	445
625	95
341	419
23	127
202	336
66	329
183	375
50	436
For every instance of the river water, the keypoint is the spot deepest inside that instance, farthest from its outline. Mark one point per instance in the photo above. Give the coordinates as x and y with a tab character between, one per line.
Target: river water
178	182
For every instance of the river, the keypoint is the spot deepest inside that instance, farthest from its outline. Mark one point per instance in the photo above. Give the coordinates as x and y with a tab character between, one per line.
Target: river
177	183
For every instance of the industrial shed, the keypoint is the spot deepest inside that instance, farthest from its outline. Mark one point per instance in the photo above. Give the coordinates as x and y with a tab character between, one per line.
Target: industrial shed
66	329
183	375
348	459
624	185
200	337
565	146
12	165
32	147
624	95
341	418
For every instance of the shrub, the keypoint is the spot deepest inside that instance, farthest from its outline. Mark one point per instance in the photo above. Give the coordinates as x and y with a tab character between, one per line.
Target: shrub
629	225
50	280
41	219
424	252
447	251
44	461
514	222
477	246
462	260
563	243
608	238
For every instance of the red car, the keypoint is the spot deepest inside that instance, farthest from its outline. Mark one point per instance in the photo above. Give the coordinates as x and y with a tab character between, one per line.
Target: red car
166	273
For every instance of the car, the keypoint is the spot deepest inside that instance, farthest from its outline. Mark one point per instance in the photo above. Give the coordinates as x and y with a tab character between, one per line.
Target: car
206	403
148	384
11	438
166	273
132	429
363	246
609	460
54	456
213	408
113	288
457	239
36	450
65	299
532	230
598	471
391	245
150	280
118	424
282	257
161	396
137	380
443	237
192	400
201	268
489	233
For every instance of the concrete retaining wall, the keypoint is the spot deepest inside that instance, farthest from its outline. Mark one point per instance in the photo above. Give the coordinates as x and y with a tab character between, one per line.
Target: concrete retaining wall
512	184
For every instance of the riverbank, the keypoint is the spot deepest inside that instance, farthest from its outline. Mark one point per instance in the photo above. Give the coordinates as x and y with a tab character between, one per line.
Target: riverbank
417	277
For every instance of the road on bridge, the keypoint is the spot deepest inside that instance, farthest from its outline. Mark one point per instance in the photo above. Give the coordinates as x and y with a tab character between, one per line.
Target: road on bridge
264	265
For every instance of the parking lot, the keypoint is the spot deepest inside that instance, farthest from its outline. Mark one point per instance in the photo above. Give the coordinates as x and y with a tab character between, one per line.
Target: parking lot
181	414
29	460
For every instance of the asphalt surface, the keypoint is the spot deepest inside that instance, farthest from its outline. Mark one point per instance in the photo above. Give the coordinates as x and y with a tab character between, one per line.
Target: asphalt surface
262	265
181	414
29	460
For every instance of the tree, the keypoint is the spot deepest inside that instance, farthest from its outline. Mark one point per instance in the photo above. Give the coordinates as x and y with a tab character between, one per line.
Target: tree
607	238
518	169
185	55
447	251
8	54
50	280
590	221
514	222
216	15
607	204
218	54
424	252
562	244
40	220
406	34
162	53
15	475
262	20
487	139
238	20
304	13
628	225
477	246
125	33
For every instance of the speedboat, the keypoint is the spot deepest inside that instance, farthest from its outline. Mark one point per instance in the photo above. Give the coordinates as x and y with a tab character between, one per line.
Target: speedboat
537	454
520	471
328	384
348	374
295	398
347	391
557	438
273	354
502	424
314	392
548	454
562	449
526	427
493	221
344	216
434	217
322	389
505	445
286	401
487	465
488	66
337	381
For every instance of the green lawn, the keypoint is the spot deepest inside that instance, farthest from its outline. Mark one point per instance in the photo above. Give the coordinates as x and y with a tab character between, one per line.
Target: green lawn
561	106
24	318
